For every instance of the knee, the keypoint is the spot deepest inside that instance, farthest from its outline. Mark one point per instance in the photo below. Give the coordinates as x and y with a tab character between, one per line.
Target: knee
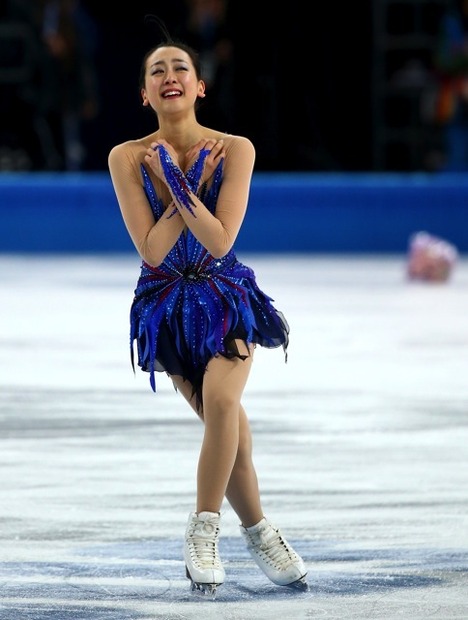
220	404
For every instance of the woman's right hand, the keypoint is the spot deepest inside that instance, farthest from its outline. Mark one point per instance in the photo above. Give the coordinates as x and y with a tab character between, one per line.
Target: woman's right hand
153	160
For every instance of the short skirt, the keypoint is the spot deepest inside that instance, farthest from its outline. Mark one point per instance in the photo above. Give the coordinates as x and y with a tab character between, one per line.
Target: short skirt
180	320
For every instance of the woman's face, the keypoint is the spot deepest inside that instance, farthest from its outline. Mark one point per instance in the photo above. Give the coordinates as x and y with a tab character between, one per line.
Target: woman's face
171	83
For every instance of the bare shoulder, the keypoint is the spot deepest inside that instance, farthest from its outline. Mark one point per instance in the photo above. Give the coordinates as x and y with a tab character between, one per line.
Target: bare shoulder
240	145
231	141
131	151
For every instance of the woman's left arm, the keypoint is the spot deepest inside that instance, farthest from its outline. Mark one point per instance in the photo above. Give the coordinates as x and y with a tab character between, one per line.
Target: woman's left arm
218	232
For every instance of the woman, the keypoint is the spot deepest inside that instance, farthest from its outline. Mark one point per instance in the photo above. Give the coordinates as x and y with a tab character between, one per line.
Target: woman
198	313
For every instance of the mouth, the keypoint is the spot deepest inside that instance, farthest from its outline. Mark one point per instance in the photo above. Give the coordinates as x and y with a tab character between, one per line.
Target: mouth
170	94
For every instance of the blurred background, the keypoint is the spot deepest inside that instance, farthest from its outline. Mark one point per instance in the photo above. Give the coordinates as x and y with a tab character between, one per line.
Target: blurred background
320	86
358	90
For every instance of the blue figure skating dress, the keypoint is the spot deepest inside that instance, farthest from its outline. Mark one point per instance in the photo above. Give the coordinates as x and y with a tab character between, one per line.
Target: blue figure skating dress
194	306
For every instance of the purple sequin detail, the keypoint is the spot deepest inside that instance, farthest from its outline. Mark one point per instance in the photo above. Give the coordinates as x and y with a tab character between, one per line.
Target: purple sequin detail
196	170
193	176
174	176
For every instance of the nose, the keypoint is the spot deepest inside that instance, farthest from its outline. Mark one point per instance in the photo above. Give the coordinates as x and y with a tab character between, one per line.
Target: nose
170	77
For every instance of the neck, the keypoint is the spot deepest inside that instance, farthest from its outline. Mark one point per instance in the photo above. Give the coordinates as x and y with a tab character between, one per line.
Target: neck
181	134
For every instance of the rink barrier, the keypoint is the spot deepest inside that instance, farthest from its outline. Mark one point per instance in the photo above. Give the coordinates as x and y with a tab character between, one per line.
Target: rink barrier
288	212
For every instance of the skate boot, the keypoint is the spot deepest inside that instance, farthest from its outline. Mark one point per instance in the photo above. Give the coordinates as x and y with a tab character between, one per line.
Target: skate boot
274	555
202	562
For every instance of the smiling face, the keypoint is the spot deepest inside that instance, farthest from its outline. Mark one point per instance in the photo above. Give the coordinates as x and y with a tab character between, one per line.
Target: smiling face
171	82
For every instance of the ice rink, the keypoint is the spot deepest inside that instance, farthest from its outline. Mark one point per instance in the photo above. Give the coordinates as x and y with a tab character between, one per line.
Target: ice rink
360	438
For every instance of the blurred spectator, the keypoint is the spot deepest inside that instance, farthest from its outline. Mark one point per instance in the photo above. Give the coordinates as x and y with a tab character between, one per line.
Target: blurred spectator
70	39
430	259
451	65
23	130
206	29
48	83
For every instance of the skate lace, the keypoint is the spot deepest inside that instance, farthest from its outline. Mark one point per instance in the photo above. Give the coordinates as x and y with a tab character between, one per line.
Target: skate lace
272	547
202	541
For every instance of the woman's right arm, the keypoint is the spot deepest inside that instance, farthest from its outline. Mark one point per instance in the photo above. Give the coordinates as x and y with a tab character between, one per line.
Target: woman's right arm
153	240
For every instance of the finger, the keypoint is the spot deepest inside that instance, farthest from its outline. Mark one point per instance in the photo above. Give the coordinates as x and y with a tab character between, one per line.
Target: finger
216	146
216	151
162	142
200	145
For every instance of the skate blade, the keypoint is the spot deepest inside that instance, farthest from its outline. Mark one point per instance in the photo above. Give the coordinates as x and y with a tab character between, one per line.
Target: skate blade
301	585
202	589
205	589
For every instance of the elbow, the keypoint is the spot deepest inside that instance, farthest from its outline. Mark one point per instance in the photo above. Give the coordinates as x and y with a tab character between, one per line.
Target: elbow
221	246
149	260
152	258
219	250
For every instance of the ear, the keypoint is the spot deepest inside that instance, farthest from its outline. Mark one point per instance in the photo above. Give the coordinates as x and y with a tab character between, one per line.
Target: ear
144	97
201	89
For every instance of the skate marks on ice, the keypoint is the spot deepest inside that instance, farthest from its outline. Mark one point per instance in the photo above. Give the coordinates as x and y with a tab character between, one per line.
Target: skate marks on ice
96	473
135	580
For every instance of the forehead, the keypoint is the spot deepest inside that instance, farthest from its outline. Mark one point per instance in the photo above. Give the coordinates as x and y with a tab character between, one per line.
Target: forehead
168	55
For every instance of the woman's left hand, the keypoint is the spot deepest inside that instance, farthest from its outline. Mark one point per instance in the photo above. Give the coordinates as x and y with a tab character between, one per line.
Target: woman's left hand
216	152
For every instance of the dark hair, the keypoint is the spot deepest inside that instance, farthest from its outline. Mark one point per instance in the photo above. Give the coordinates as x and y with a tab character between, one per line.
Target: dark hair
168	41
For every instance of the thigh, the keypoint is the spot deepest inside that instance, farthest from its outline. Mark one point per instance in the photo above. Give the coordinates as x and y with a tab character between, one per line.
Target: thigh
225	378
186	389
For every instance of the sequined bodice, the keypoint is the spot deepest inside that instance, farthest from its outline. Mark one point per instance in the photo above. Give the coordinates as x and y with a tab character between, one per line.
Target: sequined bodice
188	258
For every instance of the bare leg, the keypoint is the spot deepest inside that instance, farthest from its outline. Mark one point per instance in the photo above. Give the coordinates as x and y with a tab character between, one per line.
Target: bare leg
223	384
226	468
242	492
242	488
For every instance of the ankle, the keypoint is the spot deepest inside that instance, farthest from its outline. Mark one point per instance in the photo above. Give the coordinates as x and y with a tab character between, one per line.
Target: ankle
255	526
253	523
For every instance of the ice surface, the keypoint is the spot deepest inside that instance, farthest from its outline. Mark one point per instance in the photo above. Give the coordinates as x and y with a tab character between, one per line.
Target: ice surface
361	446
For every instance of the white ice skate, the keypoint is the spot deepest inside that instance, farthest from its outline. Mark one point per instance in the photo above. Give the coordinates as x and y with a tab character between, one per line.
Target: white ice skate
274	555
202	562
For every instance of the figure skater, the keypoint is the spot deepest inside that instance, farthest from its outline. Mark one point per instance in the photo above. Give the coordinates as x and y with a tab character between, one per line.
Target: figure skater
197	312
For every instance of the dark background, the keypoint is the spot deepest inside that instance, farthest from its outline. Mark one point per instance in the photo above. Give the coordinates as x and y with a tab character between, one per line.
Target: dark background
322	86
302	80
